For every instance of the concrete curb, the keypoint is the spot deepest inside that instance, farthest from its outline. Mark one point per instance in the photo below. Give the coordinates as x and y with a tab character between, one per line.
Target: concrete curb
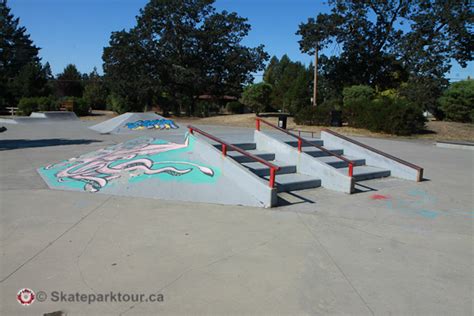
455	145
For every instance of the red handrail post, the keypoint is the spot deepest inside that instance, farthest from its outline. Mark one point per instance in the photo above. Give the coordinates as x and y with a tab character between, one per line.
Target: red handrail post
191	131
300	143
257	124
272	177
351	169
224	149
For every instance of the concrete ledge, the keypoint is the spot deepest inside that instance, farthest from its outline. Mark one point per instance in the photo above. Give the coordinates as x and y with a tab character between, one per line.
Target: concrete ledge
305	164
398	167
255	190
455	145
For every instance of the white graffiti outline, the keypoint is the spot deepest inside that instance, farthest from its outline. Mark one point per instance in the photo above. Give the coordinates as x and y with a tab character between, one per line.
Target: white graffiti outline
96	170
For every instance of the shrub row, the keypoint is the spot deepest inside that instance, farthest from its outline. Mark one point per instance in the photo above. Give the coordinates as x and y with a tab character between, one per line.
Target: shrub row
386	115
28	105
383	114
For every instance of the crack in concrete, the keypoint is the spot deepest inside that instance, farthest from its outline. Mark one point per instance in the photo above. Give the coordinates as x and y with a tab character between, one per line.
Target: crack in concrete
201	267
315	238
54	240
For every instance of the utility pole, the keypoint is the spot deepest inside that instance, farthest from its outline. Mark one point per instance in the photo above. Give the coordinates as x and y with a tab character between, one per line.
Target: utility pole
315	81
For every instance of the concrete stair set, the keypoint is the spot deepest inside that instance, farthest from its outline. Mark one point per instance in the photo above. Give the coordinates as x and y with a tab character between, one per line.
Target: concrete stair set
289	179
311	168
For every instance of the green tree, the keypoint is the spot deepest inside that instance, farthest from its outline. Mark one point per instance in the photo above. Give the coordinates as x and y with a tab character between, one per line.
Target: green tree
31	81
257	96
95	93
291	82
457	101
69	82
378	50
17	51
182	49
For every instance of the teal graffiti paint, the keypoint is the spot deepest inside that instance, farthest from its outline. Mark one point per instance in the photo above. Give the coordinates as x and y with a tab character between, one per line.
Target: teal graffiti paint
136	160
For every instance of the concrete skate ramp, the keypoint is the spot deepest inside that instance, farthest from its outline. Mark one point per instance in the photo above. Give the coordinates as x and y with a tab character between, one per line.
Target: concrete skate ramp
41	117
148	167
56	115
130	121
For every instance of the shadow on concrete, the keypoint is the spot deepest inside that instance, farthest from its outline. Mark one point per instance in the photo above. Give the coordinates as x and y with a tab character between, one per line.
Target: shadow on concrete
291	198
10	144
360	188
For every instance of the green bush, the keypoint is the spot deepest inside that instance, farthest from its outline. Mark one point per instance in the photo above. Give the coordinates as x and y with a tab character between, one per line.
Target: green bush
47	104
202	109
357	94
257	96
235	107
3	105
315	115
386	115
80	106
96	95
355	113
118	104
457	102
27	105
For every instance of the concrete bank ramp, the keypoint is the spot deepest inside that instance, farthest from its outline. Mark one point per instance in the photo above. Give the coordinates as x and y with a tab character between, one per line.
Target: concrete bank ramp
152	168
41	117
56	115
133	121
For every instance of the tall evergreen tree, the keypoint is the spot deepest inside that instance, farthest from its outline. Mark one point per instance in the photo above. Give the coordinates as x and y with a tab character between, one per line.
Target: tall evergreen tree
291	82
69	82
17	51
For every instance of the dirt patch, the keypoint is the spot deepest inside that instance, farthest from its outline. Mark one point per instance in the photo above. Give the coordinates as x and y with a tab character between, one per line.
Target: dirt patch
435	130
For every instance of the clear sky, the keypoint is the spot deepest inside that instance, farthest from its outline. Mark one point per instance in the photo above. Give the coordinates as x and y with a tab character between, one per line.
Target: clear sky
75	31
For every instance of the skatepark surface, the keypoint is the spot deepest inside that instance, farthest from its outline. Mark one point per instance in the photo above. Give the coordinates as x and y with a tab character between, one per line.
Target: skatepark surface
397	247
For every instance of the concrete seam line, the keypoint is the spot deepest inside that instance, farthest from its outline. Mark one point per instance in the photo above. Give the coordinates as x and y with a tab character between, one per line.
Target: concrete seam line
56	239
335	263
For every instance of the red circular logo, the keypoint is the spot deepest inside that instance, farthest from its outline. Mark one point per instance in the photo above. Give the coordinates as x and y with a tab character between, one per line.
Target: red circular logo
25	297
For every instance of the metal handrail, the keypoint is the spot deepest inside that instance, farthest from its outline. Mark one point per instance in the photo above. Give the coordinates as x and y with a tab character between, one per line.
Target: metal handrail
406	163
225	146
302	140
301	131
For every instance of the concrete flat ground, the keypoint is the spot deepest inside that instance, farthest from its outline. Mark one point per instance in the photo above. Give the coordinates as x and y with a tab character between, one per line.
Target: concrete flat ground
398	248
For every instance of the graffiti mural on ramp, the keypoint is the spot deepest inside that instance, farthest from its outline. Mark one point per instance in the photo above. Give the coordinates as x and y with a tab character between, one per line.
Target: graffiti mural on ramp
152	124
136	160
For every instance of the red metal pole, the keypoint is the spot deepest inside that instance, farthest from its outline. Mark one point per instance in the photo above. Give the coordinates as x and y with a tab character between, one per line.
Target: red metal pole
272	177
191	131
257	124
224	149
300	142
351	169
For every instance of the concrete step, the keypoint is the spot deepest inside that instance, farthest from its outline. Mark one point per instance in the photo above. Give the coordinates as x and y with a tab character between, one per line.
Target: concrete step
242	158
244	146
295	181
315	152
338	163
366	172
262	170
315	141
